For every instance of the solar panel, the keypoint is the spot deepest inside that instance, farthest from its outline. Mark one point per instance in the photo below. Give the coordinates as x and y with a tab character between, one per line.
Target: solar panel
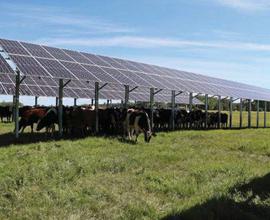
55	68
127	65
28	65
102	75
4	67
79	71
13	47
112	62
9	88
36	50
78	57
2	90
44	66
120	76
58	53
96	60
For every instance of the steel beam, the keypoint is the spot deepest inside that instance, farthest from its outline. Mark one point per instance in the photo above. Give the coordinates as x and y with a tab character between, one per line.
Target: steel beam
231	112
241	113
249	113
258	114
206	111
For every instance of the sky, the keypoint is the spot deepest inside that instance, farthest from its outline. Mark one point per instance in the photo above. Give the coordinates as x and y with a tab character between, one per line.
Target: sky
228	39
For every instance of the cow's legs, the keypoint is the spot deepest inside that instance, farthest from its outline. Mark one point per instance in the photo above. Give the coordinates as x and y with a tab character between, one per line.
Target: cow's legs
131	133
23	129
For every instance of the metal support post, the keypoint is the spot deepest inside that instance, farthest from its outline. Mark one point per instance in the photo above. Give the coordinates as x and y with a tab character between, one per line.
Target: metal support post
219	111
13	109
249	113
231	112
36	101
126	96
241	113
152	94
265	110
173	111
258	114
56	101
60	107
75	102
206	111
190	101
16	102
97	105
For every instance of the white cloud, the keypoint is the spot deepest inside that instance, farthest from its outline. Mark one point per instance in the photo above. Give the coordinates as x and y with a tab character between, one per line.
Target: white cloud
246	5
55	19
152	42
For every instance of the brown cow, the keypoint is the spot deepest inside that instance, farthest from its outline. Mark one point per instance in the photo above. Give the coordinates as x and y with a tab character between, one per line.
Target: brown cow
81	119
30	117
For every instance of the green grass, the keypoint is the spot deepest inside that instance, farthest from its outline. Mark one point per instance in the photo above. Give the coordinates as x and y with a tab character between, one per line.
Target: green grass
236	119
218	174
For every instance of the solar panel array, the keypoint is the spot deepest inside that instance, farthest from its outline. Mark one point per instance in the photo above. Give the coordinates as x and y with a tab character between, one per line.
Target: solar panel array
44	65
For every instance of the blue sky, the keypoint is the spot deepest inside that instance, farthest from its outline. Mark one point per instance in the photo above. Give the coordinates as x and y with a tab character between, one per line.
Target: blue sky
224	38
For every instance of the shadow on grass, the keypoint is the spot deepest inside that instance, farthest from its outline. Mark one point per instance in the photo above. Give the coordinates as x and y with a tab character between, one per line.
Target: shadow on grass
253	203
8	139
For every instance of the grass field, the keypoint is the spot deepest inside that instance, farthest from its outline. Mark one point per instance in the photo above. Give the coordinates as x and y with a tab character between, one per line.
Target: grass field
217	174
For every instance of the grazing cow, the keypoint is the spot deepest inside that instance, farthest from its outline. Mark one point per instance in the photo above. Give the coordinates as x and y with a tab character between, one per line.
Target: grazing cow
48	121
74	119
5	112
23	109
137	122
30	117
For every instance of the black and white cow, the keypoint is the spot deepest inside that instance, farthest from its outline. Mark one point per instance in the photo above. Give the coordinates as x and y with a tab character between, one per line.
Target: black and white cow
137	122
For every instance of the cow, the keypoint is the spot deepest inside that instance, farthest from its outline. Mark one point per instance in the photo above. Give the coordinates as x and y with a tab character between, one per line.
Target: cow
5	112
74	119
137	121
224	120
48	121
30	117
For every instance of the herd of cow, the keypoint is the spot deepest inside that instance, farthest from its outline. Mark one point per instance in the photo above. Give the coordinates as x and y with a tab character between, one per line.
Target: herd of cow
113	121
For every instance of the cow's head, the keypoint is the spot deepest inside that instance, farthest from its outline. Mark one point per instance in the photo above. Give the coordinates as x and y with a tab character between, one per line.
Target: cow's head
146	127
49	119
